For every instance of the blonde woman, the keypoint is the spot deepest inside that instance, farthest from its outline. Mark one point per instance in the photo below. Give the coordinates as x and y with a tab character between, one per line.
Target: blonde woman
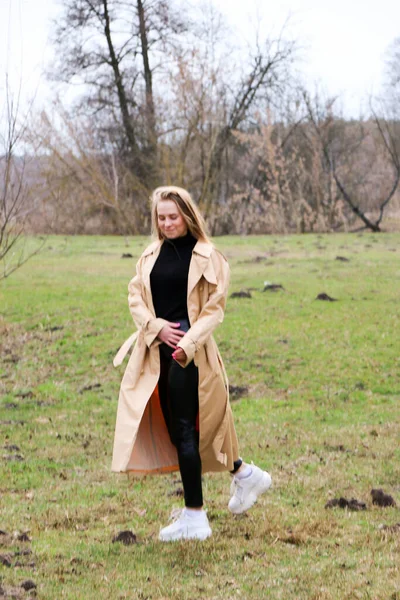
173	410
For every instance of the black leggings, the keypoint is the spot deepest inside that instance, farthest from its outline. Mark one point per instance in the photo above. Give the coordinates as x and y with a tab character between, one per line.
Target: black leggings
178	391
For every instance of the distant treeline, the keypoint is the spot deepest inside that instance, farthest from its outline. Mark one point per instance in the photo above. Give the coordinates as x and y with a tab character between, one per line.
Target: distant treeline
171	97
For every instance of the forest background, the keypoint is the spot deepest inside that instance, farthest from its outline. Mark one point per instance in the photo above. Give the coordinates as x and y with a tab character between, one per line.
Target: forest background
170	96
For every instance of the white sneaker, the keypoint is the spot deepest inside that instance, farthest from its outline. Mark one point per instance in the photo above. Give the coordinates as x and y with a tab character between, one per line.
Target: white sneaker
186	527
244	492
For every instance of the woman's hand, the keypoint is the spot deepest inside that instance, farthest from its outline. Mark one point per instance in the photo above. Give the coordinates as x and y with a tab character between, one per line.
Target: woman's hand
170	334
179	355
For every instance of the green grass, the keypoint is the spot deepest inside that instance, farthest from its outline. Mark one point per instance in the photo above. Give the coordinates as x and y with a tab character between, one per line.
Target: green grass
321	413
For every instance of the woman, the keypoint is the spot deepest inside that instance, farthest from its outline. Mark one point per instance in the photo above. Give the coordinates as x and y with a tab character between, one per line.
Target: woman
173	410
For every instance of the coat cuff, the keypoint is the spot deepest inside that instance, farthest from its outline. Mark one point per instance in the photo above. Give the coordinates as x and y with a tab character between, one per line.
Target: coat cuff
189	347
152	330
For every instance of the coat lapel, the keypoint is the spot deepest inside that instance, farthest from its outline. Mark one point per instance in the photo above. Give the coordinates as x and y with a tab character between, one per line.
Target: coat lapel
151	253
200	265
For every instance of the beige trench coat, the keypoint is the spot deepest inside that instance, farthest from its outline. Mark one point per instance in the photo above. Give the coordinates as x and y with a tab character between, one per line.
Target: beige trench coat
141	443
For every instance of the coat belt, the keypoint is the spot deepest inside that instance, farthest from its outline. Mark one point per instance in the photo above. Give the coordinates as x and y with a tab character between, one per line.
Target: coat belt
123	351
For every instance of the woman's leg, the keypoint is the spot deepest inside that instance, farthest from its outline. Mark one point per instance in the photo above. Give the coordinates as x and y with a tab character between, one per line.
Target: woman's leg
184	405
178	390
236	466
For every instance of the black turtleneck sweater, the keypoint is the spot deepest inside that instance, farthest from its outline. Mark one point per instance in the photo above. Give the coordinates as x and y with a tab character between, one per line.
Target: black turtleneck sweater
169	278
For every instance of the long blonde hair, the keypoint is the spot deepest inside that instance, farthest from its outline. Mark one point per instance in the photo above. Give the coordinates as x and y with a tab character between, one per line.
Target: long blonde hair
186	207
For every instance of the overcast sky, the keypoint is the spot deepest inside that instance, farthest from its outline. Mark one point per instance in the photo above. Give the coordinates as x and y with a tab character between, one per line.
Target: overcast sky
344	41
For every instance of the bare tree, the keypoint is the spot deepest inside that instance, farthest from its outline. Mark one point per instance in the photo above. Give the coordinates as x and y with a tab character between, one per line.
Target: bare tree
15	200
339	150
141	59
388	129
393	67
108	45
282	185
267	74
84	185
218	89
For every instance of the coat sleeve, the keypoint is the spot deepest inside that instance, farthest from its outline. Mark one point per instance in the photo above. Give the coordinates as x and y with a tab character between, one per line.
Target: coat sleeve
212	313
143	318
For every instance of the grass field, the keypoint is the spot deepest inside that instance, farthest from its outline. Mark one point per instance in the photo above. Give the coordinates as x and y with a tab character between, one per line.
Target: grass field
321	411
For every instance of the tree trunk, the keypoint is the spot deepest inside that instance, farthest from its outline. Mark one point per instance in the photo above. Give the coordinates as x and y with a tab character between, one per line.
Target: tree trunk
122	97
151	142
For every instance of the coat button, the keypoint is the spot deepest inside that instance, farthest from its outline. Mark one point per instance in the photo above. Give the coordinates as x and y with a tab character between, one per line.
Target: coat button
201	287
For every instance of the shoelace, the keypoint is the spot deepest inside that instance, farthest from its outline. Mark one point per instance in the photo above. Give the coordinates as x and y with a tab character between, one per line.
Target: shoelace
236	488
237	484
175	514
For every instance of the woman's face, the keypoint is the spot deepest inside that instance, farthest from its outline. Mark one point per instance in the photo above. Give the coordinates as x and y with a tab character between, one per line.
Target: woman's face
170	220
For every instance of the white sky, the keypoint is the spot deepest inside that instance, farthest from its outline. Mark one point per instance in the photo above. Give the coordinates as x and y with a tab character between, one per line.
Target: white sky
344	41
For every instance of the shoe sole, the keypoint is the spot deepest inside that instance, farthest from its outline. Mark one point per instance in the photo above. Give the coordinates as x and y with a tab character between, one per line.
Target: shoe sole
200	534
262	486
